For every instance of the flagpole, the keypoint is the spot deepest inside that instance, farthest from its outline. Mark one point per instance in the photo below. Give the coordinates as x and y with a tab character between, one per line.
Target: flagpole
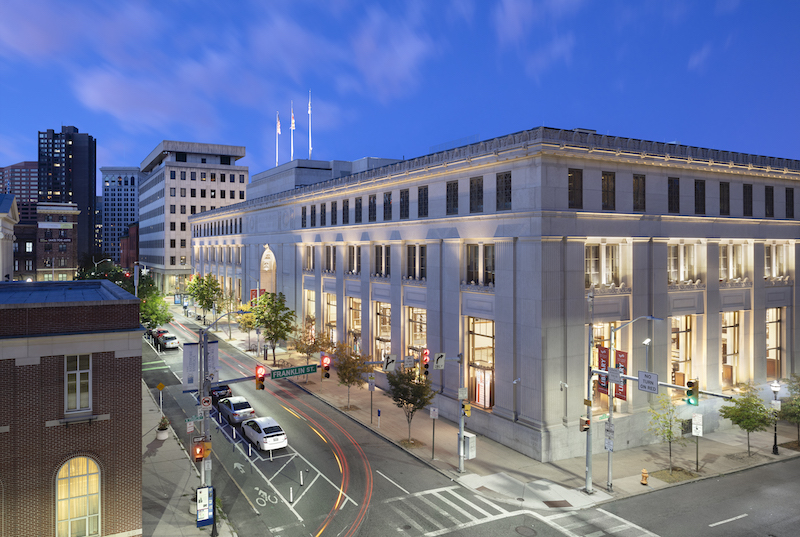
277	132
309	124
292	129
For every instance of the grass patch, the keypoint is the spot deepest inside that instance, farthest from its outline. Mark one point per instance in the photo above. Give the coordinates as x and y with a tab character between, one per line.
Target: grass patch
793	445
678	474
413	443
349	408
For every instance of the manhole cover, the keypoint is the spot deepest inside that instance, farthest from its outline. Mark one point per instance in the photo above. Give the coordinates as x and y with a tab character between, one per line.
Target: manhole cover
525	531
558	503
406	527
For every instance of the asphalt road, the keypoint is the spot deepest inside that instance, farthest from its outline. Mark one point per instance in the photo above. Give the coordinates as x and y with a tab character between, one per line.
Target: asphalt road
353	481
759	502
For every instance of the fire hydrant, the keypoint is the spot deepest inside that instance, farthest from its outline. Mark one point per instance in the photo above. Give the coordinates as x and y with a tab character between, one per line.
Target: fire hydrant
645	475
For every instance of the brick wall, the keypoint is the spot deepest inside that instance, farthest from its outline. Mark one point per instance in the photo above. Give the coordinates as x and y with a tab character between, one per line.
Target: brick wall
57	319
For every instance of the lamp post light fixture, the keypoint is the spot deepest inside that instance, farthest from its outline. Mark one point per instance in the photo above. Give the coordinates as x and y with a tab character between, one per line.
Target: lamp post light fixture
98	262
775	387
646	344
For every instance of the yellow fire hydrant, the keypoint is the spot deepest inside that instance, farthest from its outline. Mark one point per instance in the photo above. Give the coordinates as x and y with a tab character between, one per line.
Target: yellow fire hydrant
645	475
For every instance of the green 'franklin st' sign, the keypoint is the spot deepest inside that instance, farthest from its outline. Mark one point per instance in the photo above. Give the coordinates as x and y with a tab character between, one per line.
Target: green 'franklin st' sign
293	371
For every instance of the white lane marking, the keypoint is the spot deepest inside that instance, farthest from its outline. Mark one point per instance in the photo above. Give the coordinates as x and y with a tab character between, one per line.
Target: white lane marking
407	519
474	523
441	511
628	522
467	514
392	482
420	512
726	521
487	502
469	503
306	487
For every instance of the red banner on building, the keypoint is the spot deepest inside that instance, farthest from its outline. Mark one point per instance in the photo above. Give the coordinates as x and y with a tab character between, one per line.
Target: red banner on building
621	390
602	361
255	293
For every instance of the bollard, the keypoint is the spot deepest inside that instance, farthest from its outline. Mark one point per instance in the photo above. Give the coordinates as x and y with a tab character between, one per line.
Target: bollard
291	495
645	475
249	450
301	478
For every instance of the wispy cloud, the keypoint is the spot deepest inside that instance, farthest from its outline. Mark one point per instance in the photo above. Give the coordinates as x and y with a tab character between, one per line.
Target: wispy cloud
558	50
514	19
699	58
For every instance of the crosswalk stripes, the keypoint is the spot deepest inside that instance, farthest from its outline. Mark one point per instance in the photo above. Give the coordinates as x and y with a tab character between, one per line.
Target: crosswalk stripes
439	511
595	523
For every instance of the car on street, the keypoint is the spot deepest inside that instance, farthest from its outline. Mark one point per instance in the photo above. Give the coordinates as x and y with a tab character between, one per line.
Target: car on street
161	335
236	409
265	433
157	332
220	391
170	341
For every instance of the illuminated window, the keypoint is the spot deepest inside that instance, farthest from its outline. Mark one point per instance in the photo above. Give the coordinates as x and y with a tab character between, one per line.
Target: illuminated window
601	264
78	499
480	348
78	383
774	343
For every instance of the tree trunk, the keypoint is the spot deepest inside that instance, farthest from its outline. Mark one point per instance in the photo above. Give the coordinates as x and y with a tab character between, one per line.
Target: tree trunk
670	458
274	360
748	443
409	430
348	398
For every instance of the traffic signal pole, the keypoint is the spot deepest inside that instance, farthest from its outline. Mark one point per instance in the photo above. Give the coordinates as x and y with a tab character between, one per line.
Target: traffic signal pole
460	415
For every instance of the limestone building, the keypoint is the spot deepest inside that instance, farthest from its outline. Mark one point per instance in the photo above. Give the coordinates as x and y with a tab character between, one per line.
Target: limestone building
508	250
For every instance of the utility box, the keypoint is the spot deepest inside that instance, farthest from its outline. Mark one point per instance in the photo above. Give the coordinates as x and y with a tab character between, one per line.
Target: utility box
470	445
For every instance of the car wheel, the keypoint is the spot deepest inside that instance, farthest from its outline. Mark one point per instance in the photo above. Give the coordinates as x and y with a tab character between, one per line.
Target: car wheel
230	422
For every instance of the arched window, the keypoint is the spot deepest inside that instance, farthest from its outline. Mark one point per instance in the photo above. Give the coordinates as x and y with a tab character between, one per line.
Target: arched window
78	499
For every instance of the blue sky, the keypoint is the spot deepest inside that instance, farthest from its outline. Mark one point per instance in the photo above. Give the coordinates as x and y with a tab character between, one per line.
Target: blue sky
396	79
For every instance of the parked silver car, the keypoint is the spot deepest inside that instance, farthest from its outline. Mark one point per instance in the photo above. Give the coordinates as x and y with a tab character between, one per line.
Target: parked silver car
236	409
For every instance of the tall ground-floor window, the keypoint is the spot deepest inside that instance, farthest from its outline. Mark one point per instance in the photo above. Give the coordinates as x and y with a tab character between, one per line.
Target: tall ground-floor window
730	348
774	344
480	348
310	309
330	316
78	499
601	345
417	341
354	323
383	330
681	351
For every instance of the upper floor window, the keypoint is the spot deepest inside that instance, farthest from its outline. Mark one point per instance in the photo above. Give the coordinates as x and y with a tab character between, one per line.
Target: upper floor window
774	260
333	213
330	258
480	264
601	264
504	191
747	199
404	204
769	201
789	203
452	197
422	202
383	260
699	196
575	188
313	215
302	217
725	198
309	258
345	212
476	195
609	191
78	378
359	210
730	261
180	157
639	196
673	195
373	208
323	207
680	263
354	259
387	206
416	259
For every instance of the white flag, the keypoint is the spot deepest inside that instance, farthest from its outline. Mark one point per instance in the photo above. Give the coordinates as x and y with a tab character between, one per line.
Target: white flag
279	122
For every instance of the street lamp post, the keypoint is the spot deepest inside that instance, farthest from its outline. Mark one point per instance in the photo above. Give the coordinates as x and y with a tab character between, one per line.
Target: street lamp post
776	387
98	262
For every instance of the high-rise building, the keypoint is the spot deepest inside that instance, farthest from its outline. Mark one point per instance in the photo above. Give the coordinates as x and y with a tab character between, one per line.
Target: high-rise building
22	180
179	179
68	174
120	206
56	242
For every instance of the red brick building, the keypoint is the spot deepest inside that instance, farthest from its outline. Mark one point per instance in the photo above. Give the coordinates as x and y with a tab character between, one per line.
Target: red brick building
57	241
70	459
129	246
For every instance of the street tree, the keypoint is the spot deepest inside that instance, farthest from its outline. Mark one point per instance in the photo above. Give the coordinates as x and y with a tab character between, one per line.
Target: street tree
247	322
228	303
308	341
275	319
409	394
665	424
154	311
206	292
350	367
790	406
748	412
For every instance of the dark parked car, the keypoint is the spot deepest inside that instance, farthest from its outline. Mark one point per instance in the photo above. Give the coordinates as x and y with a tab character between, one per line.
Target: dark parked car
220	392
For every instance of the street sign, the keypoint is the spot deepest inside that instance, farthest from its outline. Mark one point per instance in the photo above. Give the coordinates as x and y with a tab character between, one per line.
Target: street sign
189	427
614	375
160	386
776	404
205	402
434	413
438	360
609	430
697	425
648	382
408	361
609	444
293	371
193	418
205	506
462	393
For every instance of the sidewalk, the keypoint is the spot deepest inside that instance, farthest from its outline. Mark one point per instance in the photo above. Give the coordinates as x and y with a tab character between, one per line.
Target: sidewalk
507	475
169	481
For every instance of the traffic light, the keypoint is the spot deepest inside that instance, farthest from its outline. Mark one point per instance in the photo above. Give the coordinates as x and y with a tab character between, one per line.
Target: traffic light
326	366
426	361
198	451
585	422
466	408
693	392
261	373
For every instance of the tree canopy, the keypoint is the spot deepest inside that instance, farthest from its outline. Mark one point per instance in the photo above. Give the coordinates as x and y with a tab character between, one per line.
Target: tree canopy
350	367
748	412
665	424
409	394
206	291
275	319
790	406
